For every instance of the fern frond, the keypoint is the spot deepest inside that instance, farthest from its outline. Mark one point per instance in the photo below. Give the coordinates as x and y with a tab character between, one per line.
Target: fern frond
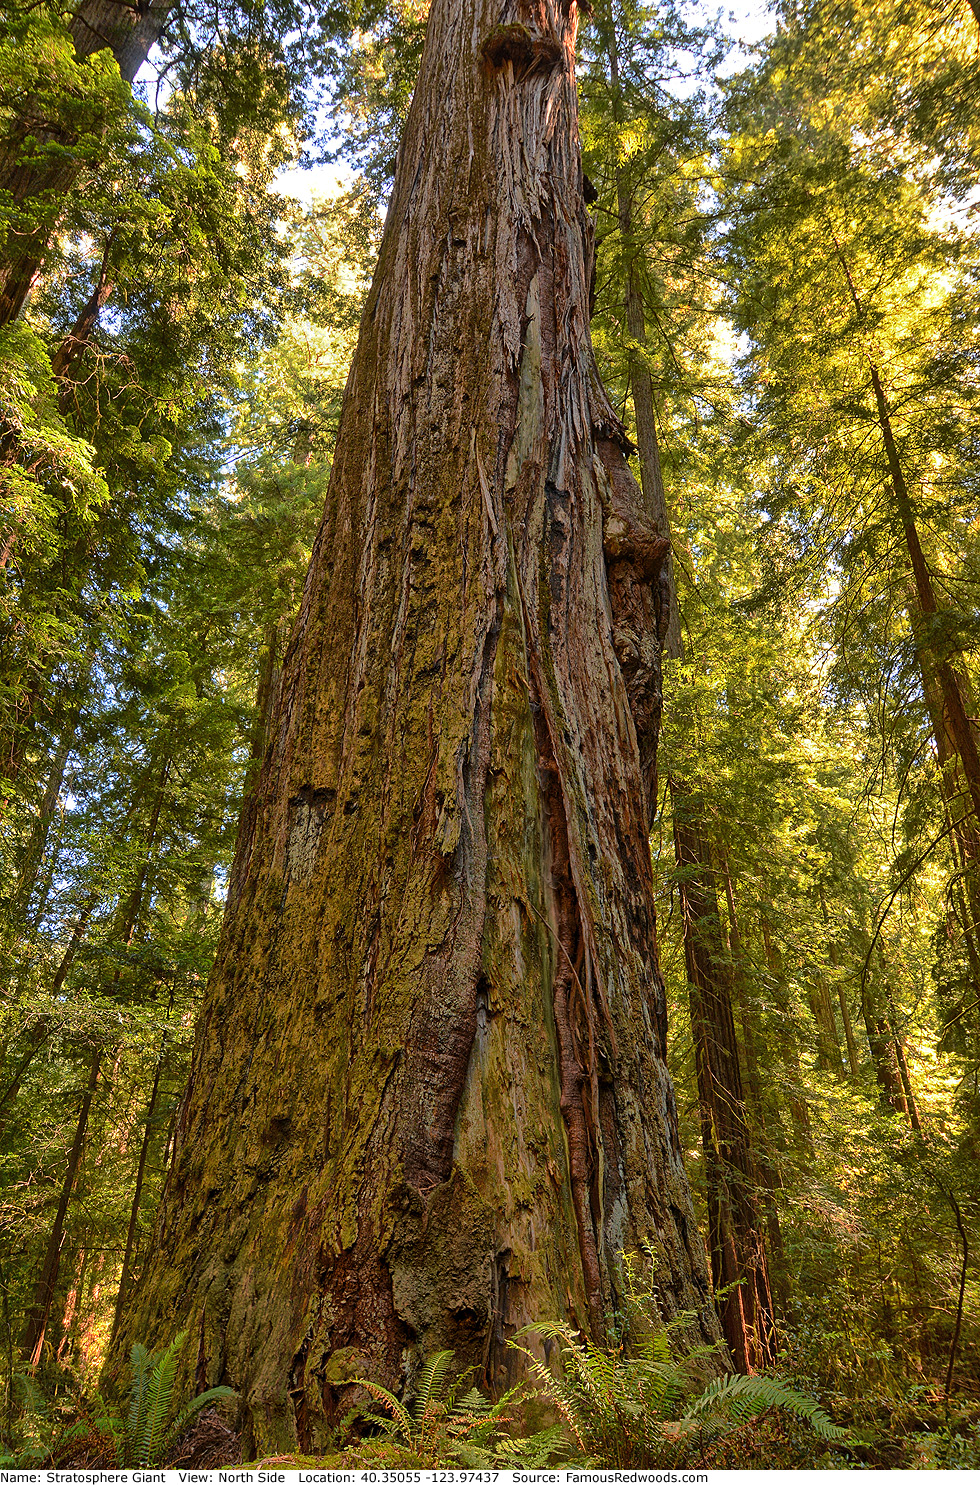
159	1395
474	1402
561	1395
140	1365
402	1417
33	1400
748	1397
472	1457
432	1384
535	1451
109	1421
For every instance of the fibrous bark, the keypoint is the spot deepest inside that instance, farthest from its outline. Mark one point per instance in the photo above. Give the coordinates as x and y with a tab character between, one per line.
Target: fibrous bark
428	1101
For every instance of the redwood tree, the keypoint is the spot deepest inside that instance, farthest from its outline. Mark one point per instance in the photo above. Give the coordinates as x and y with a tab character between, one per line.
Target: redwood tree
428	1100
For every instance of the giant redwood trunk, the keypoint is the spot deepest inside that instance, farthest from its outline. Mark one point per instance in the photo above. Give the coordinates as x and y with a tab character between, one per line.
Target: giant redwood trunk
428	1100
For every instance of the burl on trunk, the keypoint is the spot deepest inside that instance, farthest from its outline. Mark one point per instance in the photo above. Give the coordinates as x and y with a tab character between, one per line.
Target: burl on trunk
428	1100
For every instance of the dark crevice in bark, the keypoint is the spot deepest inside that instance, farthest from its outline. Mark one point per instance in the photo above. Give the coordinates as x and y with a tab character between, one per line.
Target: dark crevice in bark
528	53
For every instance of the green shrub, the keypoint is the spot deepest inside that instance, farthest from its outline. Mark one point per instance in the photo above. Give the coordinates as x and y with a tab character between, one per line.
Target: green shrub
150	1427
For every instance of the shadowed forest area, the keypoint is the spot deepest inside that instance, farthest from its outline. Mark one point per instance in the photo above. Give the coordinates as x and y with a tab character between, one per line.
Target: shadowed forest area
784	288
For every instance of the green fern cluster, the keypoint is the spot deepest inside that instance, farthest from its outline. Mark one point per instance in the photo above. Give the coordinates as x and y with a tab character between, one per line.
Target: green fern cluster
150	1426
140	1434
641	1411
443	1425
38	1428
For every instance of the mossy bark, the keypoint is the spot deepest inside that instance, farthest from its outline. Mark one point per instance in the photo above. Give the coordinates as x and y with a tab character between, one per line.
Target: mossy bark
428	1100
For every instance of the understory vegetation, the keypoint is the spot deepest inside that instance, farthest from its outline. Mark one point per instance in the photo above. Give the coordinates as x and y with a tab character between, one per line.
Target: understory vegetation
787	278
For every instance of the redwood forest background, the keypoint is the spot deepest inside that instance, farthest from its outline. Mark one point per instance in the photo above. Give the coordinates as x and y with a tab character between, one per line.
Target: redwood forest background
786	317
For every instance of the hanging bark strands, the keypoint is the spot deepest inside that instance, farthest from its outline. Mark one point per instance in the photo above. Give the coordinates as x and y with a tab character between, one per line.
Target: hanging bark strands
428	1101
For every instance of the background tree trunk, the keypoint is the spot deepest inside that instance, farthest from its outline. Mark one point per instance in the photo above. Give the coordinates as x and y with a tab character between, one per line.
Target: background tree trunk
37	1319
739	1263
428	1100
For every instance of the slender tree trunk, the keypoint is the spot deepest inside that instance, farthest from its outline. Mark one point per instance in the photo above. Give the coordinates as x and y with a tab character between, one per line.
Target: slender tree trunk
267	690
752	1045
37	1319
37	1038
428	1101
125	1273
788	1042
853	1060
128	918
33	854
881	1044
946	684
271	657
65	359
644	406
73	1301
911	1107
73	945
901	1062
828	1046
964	832
957	722
833	954
738	1257
40	179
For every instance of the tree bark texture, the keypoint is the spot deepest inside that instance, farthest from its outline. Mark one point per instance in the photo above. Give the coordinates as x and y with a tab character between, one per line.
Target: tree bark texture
428	1100
44	179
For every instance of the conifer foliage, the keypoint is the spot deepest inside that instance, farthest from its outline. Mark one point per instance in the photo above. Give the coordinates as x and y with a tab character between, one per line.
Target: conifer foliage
779	294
